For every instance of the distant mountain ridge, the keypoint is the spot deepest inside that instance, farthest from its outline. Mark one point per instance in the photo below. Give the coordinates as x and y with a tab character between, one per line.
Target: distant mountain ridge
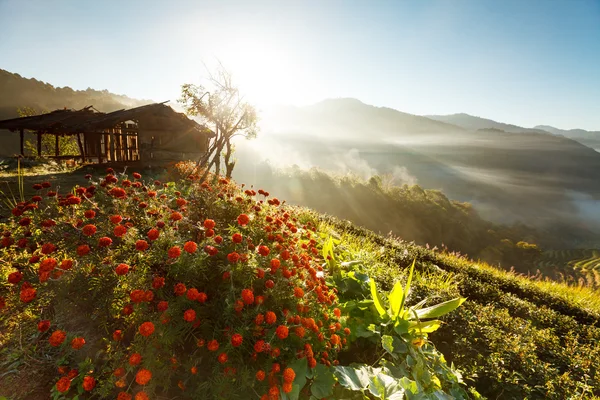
587	138
17	91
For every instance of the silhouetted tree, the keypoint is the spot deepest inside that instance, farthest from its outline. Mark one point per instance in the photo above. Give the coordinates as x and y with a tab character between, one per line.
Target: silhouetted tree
220	106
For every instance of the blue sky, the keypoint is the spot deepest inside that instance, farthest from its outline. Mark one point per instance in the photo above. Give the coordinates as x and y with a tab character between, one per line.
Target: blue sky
524	62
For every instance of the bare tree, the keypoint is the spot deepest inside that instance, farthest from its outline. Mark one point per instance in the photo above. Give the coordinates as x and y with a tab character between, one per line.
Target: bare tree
220	106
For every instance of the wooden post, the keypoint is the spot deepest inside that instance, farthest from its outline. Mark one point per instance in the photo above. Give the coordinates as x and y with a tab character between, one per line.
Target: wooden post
39	144
81	148
99	149
56	149
21	135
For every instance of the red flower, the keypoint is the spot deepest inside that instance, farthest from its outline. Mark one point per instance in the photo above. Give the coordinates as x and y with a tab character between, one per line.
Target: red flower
189	315
104	241
89	214
218	239
287	387
260	375
202	297
120	231
89	230
180	289
190	247
209	224
209	233
48	264
127	310
122	269
116	219
15	277
269	284
233	257
137	296
263	250
89	383
48	248
174	252
43	325
337	312
162	306
141	245
77	343
236	340
137	175
158	282
118	335
123	396
141	396
57	338
143	376
28	294
270	317
222	358
282	332
146	329
298	292
83	249
153	234
243	220
135	359
63	384
117	192
210	250
248	296
66	265
192	294
175	216
236	238
213	345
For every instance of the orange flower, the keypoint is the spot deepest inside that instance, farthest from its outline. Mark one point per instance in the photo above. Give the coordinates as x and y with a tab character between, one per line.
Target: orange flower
190	247
158	282
248	296
146	329
135	359
289	375
77	343
236	340
123	396
194	370
43	325
209	224
174	252
141	245
66	265
270	317
122	269
222	358
282	332
233	257
83	249
120	231
189	315
63	384
57	338
287	387
153	234
243	219
263	250
213	345
298	292
175	216
28	294
89	230
180	289
143	376
121	383
141	396
260	375
116	219
119	372
89	383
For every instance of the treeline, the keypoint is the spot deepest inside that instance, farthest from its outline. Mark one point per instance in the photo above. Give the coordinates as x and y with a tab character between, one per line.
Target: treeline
426	217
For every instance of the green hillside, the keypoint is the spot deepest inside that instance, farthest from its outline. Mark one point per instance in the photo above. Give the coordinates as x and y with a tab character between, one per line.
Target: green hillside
512	338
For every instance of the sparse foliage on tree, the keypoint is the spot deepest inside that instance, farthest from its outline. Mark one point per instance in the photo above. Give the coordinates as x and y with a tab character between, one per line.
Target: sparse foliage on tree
220	106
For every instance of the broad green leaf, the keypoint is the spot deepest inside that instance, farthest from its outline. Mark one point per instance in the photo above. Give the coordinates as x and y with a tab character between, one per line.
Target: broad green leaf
387	342
408	282
409	385
376	298
322	385
361	331
302	370
395	300
425	326
386	387
440	309
353	378
401	327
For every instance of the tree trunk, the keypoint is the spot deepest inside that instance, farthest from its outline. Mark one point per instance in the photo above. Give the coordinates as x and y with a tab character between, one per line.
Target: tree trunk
229	165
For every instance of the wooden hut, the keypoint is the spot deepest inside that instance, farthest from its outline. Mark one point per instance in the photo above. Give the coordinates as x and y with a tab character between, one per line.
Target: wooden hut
150	132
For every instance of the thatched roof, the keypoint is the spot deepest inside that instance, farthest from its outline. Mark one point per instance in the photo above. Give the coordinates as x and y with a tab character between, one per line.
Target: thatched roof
157	116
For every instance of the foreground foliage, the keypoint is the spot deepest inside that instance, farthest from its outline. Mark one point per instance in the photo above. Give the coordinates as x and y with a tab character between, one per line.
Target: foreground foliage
131	288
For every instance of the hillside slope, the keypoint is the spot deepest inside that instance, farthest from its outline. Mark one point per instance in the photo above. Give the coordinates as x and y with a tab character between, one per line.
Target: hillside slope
513	338
589	138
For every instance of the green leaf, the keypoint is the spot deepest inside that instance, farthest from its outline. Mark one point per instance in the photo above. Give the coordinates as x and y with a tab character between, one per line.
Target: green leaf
440	309
322	385
408	282
353	378
376	298
387	342
395	300
302	370
425	326
386	387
